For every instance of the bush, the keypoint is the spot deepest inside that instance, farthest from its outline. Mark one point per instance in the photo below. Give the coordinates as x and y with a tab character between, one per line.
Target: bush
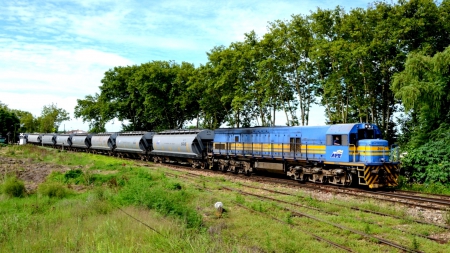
14	187
53	190
73	176
429	163
166	197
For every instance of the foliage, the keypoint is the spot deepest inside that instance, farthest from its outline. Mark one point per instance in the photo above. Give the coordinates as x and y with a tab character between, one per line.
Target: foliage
90	110
9	123
28	123
14	187
153	95
72	175
430	163
53	190
424	87
51	118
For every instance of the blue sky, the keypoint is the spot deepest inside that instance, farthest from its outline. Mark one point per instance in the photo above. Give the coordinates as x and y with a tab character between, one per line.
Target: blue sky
57	51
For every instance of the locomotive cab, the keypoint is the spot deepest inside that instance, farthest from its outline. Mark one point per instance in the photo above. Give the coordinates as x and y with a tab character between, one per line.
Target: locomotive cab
356	143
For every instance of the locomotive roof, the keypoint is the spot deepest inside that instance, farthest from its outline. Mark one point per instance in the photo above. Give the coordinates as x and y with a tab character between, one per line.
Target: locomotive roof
350	128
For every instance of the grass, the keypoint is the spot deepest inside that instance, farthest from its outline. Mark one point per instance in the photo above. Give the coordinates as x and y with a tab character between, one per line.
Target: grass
93	203
433	188
13	187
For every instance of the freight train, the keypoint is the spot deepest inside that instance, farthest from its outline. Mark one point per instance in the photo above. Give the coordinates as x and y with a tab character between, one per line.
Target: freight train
341	154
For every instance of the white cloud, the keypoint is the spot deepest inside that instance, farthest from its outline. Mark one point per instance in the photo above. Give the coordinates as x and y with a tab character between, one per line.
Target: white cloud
34	76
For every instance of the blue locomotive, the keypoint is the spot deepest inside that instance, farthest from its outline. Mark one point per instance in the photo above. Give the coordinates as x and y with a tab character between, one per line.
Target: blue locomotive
343	154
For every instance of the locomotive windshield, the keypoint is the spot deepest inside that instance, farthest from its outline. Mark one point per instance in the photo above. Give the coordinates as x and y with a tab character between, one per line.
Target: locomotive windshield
367	134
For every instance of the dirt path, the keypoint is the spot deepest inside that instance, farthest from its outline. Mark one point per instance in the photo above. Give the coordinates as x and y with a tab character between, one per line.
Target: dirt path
32	173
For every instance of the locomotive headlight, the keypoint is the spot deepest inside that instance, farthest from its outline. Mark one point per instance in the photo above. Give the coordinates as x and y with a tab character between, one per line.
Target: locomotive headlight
367	126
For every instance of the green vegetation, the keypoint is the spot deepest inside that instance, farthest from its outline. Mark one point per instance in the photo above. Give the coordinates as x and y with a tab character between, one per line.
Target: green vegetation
92	203
13	187
9	122
53	190
17	121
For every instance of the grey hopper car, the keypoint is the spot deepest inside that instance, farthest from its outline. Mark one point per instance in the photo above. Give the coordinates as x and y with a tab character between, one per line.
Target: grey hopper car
103	143
134	144
35	139
49	139
81	141
64	140
185	146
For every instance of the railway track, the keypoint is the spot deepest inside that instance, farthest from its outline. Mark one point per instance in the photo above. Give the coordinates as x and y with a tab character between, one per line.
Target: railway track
435	202
193	176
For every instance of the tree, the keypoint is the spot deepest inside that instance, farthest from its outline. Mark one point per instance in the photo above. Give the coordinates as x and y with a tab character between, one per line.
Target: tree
51	118
167	101
28	123
9	124
424	88
91	110
212	108
3	106
292	45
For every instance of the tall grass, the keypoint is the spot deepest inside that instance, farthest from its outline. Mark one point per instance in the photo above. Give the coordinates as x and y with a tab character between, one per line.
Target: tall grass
13	187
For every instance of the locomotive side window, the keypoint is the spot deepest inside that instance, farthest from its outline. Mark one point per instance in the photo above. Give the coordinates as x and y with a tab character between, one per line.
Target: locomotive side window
337	140
236	138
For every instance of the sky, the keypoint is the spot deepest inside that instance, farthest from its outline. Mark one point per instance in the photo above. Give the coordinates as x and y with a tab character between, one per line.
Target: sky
57	51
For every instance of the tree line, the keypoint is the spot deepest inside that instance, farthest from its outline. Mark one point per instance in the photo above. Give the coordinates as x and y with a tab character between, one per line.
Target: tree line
343	61
15	121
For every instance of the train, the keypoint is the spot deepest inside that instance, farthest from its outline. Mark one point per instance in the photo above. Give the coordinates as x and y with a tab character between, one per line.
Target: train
339	154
